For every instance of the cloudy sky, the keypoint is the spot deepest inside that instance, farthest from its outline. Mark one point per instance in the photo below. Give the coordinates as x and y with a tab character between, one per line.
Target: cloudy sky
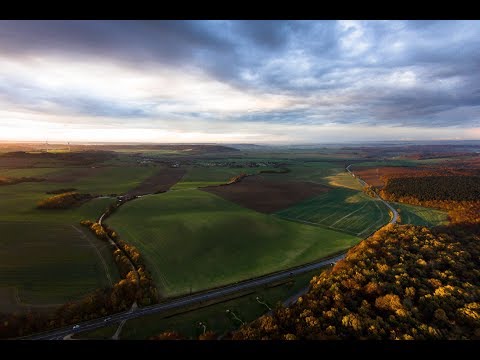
239	81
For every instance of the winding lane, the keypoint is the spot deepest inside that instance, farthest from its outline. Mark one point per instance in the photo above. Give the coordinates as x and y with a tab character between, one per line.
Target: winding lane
390	207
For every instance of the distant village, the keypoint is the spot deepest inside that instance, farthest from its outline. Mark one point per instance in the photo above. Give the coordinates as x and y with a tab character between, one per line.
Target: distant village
229	164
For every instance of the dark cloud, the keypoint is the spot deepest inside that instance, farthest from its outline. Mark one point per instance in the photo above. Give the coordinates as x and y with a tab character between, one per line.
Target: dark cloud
132	41
414	73
272	35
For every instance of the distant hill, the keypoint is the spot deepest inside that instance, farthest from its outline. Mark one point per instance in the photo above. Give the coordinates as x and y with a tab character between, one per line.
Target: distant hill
194	148
246	146
69	152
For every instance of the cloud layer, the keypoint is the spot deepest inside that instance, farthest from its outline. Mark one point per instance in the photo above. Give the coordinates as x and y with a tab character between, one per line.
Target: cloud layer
287	81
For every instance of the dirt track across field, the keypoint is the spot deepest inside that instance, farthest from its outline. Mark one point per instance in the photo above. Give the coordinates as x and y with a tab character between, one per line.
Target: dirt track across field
254	192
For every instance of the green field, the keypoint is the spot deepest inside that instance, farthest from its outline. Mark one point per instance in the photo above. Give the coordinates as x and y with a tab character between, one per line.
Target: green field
32	172
18	204
50	263
213	315
418	215
313	171
43	259
206	176
341	209
193	240
402	162
115	180
343	179
104	180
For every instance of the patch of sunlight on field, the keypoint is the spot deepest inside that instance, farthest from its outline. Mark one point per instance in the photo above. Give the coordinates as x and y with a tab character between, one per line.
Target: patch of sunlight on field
345	180
195	240
354	199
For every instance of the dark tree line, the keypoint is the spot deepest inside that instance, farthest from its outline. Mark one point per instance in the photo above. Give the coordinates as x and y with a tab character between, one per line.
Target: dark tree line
370	190
428	188
459	195
126	255
136	285
13	181
236	179
64	200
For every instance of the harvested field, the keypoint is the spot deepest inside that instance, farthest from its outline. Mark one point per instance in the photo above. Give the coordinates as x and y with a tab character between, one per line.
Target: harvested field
343	179
257	193
163	180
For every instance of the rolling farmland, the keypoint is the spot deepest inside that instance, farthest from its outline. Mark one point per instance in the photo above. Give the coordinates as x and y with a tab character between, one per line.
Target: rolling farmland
296	208
340	209
193	240
259	194
207	176
113	179
54	263
46	258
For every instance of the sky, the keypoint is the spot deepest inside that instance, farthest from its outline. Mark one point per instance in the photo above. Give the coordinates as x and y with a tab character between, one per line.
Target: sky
285	82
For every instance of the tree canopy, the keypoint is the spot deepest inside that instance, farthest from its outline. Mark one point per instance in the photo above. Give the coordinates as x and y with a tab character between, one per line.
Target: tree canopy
404	282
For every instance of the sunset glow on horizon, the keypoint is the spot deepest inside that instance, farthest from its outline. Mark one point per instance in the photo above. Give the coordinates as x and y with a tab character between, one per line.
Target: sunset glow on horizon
239	81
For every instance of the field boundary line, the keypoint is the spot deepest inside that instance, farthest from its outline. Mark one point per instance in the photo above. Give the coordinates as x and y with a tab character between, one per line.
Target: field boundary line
353	212
375	223
105	266
27	305
323	226
17	296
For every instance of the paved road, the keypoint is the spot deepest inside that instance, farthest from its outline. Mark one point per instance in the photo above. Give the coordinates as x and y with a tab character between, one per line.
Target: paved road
184	301
218	293
293	299
390	207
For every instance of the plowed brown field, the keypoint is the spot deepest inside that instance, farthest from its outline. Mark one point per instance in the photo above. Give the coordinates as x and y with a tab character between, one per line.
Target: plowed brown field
254	192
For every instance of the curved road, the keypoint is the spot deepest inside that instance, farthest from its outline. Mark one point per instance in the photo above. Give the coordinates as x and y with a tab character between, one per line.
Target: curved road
390	207
213	294
291	300
221	292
